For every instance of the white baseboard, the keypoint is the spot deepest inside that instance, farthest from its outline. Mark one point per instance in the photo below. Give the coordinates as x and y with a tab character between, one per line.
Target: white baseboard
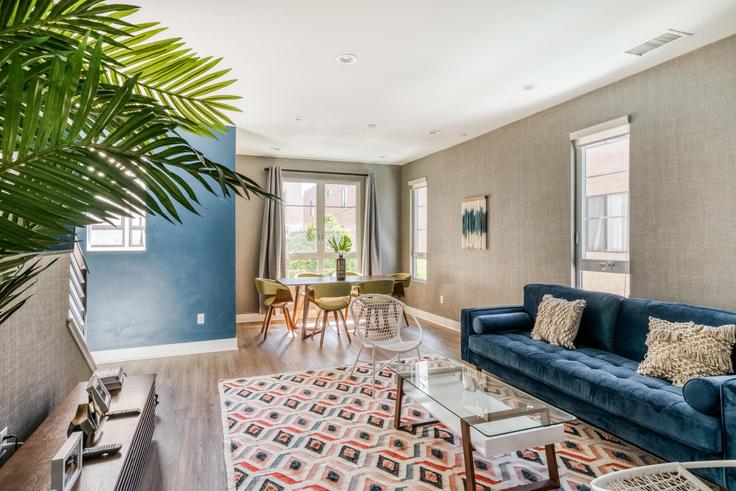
434	318
165	350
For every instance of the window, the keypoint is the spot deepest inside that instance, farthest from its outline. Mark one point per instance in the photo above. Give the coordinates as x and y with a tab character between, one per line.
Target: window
602	209
316	210
419	229
121	234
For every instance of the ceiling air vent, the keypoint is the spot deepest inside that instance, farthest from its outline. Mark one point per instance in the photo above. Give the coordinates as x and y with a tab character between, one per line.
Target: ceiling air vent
656	42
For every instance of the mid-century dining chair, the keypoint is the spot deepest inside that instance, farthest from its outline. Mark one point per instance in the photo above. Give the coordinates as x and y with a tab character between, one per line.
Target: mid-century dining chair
383	287
401	283
330	297
302	303
276	296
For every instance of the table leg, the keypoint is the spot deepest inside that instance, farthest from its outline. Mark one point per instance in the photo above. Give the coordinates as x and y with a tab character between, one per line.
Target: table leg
397	405
554	477
468	455
297	290
305	314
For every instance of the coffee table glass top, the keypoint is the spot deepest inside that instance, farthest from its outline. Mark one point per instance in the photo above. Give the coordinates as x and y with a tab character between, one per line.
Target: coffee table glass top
484	402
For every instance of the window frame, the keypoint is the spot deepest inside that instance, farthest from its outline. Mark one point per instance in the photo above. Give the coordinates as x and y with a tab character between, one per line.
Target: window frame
126	225
414	185
319	209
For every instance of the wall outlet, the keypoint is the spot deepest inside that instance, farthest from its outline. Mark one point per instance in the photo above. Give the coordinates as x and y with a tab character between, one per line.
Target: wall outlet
200	319
442	299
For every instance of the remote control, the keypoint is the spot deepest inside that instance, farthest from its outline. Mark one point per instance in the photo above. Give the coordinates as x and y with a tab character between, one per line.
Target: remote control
101	451
123	412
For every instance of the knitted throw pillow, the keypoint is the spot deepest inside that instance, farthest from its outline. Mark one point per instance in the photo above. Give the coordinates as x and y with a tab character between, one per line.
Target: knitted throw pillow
558	321
679	351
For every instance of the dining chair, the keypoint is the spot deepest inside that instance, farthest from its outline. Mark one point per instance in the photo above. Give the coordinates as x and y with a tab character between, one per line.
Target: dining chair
304	274
401	283
383	287
276	296
377	320
330	297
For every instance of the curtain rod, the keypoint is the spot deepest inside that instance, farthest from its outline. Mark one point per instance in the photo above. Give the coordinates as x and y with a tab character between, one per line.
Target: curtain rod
322	172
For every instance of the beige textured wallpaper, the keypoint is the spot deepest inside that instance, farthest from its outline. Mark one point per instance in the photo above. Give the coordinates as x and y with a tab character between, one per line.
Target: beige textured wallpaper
40	362
248	216
683	192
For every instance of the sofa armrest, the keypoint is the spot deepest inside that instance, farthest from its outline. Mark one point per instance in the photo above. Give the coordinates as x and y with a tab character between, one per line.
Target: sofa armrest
467	316
704	393
728	421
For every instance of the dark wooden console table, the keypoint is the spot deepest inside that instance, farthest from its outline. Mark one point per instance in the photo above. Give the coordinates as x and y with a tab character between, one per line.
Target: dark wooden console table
30	468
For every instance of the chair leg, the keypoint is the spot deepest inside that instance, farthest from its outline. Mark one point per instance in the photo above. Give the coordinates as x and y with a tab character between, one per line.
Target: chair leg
263	324
337	323
406	319
357	359
289	320
373	382
267	322
345	326
419	354
316	323
325	322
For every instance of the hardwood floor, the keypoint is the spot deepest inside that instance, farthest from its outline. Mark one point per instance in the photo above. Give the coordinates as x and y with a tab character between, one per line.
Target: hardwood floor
187	452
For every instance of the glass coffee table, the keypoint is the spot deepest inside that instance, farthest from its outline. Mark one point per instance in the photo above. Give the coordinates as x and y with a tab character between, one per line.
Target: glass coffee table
490	415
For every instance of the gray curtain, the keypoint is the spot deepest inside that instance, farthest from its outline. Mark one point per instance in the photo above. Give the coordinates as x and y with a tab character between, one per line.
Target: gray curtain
371	260
272	259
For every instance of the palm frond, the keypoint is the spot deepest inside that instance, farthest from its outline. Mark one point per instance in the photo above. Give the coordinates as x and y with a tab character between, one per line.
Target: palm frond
164	69
83	151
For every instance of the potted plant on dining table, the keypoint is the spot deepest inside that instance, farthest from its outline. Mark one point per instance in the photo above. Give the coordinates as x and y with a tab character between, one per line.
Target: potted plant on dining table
341	246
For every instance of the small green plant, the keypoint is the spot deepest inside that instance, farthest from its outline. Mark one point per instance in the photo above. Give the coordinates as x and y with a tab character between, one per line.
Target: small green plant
341	247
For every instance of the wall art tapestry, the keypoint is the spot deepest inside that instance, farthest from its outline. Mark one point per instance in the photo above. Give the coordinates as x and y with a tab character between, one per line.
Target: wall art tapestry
475	222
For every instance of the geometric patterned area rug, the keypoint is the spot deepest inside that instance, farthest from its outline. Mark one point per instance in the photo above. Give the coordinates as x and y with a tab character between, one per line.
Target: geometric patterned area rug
323	430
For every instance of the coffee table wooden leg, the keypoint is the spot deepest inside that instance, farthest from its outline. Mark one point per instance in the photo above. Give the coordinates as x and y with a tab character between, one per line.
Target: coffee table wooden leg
554	477
397	405
554	474
468	456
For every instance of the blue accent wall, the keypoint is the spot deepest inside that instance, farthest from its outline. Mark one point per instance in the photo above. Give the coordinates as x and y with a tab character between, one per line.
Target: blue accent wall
152	297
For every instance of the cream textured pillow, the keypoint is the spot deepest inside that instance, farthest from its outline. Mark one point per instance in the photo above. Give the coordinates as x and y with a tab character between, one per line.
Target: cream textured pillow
679	351
558	321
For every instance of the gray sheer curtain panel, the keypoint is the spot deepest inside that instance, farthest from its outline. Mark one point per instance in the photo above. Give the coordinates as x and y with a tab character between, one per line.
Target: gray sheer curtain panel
371	250
272	259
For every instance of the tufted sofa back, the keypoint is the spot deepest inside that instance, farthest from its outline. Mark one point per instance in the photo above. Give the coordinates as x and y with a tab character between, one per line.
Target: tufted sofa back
632	325
599	317
620	325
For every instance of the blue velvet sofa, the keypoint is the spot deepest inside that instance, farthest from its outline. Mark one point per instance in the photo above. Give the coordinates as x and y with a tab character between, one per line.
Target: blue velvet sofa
598	383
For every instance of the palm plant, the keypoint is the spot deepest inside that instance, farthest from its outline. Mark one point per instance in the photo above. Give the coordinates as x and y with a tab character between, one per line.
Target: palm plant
342	245
90	109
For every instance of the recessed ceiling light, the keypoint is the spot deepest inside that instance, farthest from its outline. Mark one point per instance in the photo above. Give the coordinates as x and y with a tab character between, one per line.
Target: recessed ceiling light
300	118
275	149
347	59
528	87
382	156
435	132
371	125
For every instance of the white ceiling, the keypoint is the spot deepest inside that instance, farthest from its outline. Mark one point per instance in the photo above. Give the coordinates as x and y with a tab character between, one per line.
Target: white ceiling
457	66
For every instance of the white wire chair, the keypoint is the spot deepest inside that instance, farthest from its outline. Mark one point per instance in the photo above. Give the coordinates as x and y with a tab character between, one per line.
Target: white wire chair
659	477
378	320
